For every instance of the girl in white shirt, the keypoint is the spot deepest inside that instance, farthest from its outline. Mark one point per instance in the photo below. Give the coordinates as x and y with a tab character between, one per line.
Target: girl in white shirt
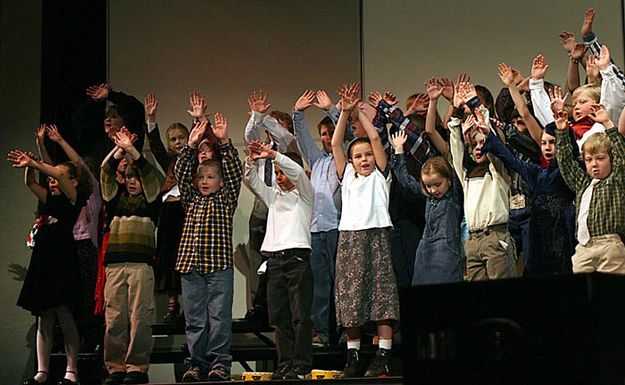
365	284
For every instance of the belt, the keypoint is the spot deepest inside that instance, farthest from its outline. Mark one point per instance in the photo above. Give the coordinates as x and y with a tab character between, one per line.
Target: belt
286	253
488	229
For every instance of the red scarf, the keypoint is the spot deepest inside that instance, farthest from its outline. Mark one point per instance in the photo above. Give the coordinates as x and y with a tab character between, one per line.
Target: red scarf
581	126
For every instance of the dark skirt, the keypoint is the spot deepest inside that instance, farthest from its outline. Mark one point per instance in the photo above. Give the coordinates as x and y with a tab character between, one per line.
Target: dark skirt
365	282
168	234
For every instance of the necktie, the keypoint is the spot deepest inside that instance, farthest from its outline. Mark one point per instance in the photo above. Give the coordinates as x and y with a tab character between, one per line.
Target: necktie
583	235
268	172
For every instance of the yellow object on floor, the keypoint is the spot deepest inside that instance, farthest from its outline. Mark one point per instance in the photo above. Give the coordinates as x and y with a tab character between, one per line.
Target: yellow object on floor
256	376
325	374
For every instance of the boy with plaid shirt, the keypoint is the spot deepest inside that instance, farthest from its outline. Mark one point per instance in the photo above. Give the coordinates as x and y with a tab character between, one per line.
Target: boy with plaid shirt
205	256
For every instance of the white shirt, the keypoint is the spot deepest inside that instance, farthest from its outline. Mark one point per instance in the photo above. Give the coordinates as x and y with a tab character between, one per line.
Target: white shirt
365	200
288	219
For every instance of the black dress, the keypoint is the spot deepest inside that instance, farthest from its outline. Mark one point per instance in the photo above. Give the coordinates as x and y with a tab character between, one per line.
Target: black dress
53	277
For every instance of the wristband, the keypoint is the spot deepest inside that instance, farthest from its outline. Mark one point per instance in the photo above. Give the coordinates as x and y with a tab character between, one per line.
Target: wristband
473	103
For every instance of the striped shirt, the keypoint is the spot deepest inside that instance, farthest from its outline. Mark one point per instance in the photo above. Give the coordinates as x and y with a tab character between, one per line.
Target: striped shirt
206	243
607	207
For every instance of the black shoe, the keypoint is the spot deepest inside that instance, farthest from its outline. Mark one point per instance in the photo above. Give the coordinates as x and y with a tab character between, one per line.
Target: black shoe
136	377
193	374
379	367
280	372
115	378
67	381
219	373
353	366
300	372
32	381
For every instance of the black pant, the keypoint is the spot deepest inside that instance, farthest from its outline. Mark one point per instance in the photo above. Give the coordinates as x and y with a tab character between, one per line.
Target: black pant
289	296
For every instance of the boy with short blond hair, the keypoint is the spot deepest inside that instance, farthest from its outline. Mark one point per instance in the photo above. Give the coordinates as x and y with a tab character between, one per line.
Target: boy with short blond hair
600	199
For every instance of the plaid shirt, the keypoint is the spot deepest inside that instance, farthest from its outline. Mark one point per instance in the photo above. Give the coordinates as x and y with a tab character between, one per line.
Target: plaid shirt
416	144
607	207
206	243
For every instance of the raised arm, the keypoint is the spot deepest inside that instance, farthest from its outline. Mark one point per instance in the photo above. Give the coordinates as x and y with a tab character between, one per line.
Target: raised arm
20	159
435	90
154	137
231	164
612	92
540	99
340	158
40	136
149	179
398	164
258	150
258	107
573	175
309	149
575	53
183	169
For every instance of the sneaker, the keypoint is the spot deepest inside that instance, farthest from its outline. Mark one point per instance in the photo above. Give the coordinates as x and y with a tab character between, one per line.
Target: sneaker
280	372
300	372
115	378
136	377
219	374
379	367
353	366
193	374
320	341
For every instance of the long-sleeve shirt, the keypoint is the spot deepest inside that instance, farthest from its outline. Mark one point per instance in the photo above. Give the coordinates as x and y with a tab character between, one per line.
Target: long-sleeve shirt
486	198
607	206
206	243
288	219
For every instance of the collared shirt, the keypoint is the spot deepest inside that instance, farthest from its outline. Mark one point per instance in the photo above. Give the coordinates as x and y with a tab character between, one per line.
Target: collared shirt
324	179
206	243
607	207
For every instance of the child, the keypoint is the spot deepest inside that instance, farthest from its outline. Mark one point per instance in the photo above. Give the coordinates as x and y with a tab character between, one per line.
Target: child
171	215
290	280
52	284
365	283
129	288
439	255
490	248
205	255
599	192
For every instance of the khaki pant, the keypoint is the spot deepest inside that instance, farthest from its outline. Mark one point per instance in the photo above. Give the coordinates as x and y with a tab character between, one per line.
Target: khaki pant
604	253
129	315
491	254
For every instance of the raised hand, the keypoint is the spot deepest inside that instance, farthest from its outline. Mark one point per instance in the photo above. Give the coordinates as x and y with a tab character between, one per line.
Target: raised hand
398	139
123	140
323	100
40	134
53	133
447	87
505	74
19	159
603	61
419	105
349	89
197	133
567	40
539	68
150	107
589	17
434	88
260	150
258	101
198	105
557	101
349	96
592	70
466	91
578	51
305	101
374	98
599	114
457	101
481	123
562	120
390	98
220	128
469	124
99	92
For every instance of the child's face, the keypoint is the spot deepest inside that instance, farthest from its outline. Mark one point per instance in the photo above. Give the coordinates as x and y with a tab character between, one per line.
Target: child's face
598	165
282	180
176	139
325	133
476	149
205	152
208	180
436	185
548	146
362	158
582	105
112	123
132	182
53	183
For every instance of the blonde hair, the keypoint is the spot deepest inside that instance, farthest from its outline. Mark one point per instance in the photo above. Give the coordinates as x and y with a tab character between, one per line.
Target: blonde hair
592	90
435	166
596	143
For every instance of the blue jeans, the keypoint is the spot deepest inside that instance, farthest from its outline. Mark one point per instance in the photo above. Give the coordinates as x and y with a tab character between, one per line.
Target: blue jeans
322	261
207	302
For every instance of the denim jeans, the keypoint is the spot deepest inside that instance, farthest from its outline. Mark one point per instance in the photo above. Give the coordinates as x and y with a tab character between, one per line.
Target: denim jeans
289	296
322	262
207	302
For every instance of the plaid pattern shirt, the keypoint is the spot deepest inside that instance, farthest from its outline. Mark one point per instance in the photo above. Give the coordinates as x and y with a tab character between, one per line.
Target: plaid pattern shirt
417	143
607	207
206	243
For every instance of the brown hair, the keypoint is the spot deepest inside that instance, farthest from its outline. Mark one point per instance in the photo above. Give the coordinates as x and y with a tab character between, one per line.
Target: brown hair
211	163
81	174
436	165
279	115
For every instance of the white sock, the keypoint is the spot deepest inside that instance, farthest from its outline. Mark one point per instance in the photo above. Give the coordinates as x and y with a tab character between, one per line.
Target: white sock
386	344
353	344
